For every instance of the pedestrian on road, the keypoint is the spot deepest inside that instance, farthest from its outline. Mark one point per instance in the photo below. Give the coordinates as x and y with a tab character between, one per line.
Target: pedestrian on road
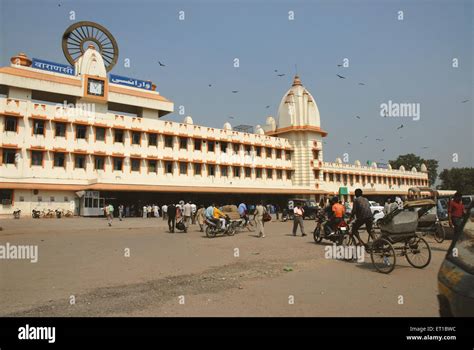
200	216
144	213
187	213
155	211
260	210
298	213
194	212
110	214
361	210
171	217
164	210
455	214
120	208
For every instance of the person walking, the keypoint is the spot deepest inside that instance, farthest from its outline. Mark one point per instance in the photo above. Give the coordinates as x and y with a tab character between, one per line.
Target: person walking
156	214
260	210
455	214
110	216
298	213
164	211
144	213
120	208
171	217
200	217
187	213
193	213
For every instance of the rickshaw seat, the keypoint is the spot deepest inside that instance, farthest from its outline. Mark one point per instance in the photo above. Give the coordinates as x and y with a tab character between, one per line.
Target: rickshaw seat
404	222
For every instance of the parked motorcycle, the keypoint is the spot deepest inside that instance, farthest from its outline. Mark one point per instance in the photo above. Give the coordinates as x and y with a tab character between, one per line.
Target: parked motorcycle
36	214
16	214
329	234
59	213
212	228
69	214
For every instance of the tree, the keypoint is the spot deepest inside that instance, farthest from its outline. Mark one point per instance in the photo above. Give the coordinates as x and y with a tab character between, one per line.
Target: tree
411	160
459	179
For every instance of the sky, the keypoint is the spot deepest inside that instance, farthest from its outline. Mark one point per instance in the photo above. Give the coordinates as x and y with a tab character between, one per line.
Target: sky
403	61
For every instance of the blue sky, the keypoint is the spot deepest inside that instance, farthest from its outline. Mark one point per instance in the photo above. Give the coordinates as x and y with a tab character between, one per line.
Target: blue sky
401	61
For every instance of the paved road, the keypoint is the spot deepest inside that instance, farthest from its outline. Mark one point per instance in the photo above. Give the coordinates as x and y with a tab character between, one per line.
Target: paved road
190	275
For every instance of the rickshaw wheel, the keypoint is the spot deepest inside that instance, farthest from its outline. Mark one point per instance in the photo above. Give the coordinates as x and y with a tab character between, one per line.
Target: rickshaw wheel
210	232
439	234
416	248
382	255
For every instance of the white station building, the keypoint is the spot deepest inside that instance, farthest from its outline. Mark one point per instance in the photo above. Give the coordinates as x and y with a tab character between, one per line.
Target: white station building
75	141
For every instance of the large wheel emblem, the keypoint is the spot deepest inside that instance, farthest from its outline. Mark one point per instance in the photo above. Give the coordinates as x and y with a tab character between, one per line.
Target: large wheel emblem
80	35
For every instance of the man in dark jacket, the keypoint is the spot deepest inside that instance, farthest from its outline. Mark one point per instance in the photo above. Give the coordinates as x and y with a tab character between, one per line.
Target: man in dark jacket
361	210
171	217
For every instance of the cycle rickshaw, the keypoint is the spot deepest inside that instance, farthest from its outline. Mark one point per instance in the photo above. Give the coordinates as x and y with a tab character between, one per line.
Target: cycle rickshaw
398	234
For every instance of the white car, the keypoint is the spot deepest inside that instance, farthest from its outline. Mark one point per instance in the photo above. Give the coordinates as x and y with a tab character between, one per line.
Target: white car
375	207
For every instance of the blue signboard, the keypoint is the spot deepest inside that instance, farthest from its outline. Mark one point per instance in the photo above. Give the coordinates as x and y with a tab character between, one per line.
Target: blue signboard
141	84
52	67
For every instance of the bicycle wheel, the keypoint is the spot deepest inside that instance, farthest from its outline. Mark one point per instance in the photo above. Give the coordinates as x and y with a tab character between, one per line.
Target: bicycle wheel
418	252
383	256
439	234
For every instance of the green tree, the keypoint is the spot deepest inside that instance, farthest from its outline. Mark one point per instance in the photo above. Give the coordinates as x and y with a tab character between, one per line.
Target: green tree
459	179
411	160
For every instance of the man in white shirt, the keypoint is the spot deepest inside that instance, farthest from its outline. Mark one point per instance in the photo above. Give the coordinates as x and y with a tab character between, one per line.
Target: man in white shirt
193	213
187	212
298	220
164	210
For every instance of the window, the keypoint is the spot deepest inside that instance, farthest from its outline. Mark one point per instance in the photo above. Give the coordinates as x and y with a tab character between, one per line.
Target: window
236	147
99	134
183	143
258	173
248	149
197	144
288	155
22	199
60	129
211	145
38	127
40	199
169	167
118	135
385	180
9	156
224	171
248	172
136	137
331	177
6	197
11	124
152	166
59	159
344	178
357	178
99	163
288	174
224	147
279	174
236	171
183	168
169	141
52	199
351	178
268	152
152	139
211	170
79	161
81	131
258	151
338	177
269	173
37	158
278	153
135	164
197	169
315	154
118	163
66	199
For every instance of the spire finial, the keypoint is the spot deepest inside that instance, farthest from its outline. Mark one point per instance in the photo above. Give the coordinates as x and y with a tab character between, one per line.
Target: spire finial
297	80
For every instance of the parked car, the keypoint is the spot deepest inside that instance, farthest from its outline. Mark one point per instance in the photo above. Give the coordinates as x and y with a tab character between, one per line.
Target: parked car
456	275
375	207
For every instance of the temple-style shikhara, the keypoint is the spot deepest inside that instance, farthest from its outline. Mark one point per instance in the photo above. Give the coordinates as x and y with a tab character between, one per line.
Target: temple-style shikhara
70	140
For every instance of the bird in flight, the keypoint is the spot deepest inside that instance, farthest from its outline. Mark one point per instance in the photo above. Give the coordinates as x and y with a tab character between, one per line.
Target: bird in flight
231	117
365	137
281	75
267	107
339	65
425	147
464	101
340	76
357	117
361	84
276	70
161	64
401	126
235	91
378	139
210	85
348	143
383	150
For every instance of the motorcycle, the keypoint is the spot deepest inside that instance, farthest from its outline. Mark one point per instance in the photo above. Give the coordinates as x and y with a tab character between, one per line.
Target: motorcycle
36	214
59	213
69	214
242	224
213	228
16	214
335	236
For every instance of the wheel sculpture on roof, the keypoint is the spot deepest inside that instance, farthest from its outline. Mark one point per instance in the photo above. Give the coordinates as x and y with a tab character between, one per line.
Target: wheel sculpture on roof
78	37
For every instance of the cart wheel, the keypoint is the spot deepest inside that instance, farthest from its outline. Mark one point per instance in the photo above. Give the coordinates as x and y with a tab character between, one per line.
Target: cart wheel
417	252
439	234
348	240
317	235
382	255
210	232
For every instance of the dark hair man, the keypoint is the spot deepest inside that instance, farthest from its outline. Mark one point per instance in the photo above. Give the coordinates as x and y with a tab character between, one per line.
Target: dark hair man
361	210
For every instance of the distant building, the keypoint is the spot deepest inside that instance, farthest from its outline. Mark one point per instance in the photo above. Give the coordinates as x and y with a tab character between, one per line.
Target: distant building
77	141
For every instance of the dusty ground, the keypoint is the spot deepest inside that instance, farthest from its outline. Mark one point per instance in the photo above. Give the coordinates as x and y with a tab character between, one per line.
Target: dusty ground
190	275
